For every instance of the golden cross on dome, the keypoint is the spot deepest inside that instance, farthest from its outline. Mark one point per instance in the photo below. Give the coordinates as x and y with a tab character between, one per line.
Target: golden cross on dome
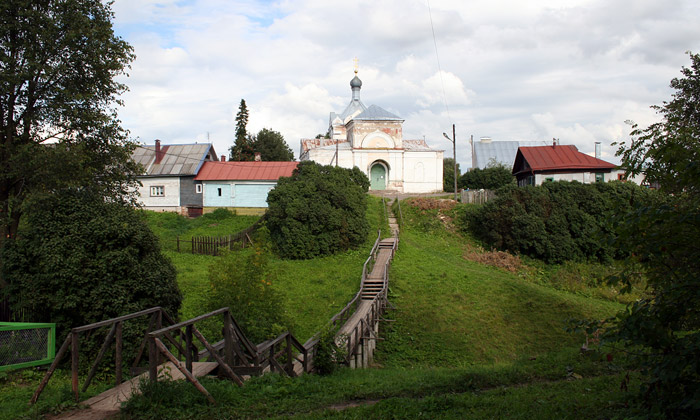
356	63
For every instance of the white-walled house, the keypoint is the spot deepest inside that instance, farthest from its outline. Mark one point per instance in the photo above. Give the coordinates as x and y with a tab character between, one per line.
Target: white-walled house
168	181
371	138
539	164
240	186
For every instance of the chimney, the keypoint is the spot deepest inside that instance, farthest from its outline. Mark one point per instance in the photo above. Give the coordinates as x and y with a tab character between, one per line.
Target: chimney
597	150
159	153
555	141
257	157
223	158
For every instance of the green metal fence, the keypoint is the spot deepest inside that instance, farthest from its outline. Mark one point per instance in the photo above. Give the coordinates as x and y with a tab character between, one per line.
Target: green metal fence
24	344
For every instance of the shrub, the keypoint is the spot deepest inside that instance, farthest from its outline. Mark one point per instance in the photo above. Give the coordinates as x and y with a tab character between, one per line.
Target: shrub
491	178
319	210
554	222
80	259
329	354
242	282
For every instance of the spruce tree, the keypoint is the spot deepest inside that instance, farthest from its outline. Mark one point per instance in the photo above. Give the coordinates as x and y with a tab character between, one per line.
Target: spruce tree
242	148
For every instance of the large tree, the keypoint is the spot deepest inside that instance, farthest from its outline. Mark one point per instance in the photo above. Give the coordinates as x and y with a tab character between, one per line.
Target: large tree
242	149
663	330
448	174
58	126
271	146
80	259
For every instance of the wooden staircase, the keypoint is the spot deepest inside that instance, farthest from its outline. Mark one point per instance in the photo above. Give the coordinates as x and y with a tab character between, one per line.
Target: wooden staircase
375	281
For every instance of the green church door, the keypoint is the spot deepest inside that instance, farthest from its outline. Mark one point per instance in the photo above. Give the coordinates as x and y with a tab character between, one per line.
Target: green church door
377	177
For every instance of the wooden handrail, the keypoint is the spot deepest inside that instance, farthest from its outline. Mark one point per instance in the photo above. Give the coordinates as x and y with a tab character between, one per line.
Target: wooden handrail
117	319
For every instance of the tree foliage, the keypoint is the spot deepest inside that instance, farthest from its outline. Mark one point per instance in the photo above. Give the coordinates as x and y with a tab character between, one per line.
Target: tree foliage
58	63
271	146
663	236
448	174
490	178
319	210
554	222
80	259
242	149
242	282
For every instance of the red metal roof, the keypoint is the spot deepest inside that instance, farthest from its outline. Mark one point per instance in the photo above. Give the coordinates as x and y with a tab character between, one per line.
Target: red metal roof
245	171
560	157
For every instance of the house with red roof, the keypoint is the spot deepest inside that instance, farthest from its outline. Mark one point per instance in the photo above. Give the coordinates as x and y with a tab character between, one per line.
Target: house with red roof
240	186
537	164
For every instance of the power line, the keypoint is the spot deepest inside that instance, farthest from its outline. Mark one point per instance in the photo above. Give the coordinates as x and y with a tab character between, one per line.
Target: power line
437	56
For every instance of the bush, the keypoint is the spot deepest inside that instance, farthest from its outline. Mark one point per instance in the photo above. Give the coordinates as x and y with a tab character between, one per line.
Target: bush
242	282
79	259
319	210
491	178
554	222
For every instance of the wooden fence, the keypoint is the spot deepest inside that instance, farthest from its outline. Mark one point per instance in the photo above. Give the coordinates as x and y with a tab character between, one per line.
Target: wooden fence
477	196
210	245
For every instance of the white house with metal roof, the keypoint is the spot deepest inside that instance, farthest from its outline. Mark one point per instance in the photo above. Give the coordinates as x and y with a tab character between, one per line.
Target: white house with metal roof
371	138
167	181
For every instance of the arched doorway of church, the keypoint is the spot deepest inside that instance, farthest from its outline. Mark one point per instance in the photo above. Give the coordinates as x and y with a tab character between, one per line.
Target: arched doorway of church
378	176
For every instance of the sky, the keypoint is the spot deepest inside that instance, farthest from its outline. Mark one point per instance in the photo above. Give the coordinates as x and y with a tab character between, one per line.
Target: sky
575	70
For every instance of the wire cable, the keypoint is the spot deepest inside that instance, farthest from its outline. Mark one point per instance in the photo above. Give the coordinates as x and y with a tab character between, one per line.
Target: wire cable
437	56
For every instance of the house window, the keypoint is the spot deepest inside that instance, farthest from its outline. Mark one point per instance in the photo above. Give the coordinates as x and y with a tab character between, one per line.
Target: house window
198	188
157	191
549	179
219	191
599	177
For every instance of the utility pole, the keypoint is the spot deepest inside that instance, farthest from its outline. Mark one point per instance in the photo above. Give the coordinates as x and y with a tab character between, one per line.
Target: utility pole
454	153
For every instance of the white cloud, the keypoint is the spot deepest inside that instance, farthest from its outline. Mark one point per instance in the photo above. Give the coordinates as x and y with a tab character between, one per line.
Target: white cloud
534	70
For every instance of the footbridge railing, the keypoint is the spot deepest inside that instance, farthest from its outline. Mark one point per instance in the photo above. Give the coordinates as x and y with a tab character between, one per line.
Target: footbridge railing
114	335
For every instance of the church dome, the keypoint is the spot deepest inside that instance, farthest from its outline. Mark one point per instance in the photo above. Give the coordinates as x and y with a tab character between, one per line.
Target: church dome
356	82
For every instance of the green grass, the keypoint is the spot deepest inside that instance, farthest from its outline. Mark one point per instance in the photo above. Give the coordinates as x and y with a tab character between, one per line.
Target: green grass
168	226
314	290
543	388
456	312
468	341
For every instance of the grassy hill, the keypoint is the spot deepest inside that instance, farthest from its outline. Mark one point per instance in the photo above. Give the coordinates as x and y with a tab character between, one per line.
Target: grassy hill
314	290
452	311
466	340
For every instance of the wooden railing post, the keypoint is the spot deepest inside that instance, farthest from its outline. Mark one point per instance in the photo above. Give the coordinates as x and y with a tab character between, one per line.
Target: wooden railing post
290	366
74	364
118	354
228	339
152	359
188	347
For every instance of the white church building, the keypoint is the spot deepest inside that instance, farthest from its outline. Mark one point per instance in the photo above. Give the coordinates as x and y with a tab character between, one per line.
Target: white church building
371	138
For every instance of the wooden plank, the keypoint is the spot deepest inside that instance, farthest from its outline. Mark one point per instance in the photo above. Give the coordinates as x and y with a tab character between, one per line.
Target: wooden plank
112	398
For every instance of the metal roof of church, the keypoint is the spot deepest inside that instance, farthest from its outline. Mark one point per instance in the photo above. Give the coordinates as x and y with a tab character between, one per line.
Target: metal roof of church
375	113
245	171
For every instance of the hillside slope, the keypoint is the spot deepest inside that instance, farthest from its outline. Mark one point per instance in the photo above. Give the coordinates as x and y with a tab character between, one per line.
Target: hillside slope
455	312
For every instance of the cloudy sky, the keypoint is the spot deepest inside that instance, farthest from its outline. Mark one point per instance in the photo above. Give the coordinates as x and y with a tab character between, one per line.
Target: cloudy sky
510	69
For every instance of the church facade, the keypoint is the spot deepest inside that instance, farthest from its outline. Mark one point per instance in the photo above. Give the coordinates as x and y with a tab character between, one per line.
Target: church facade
371	138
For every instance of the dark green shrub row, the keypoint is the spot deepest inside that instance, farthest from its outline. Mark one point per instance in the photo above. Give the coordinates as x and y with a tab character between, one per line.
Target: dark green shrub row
554	222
